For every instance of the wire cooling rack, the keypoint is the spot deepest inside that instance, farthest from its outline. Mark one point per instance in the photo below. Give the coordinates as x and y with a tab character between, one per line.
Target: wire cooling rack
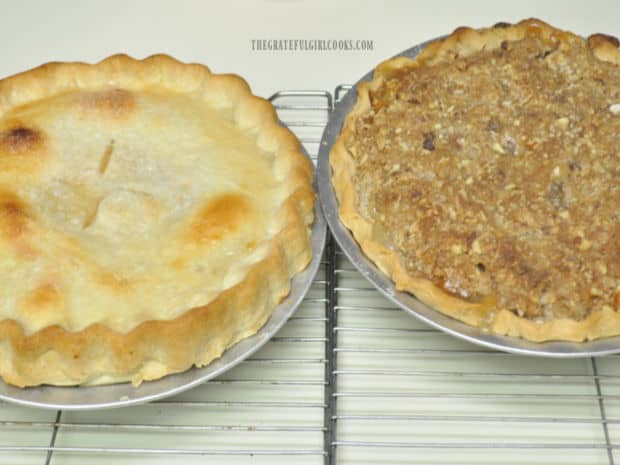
350	379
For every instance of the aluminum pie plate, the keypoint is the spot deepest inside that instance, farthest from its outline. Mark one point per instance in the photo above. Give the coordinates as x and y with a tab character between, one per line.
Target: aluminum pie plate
124	394
407	301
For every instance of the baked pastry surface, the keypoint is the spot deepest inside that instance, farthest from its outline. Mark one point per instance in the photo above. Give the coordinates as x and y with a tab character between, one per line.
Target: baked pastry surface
152	214
481	176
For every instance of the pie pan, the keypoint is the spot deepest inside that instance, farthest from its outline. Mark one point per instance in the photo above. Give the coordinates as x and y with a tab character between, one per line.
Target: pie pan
125	394
407	301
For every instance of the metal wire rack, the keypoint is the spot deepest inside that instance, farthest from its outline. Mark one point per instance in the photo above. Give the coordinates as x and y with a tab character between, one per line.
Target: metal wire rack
350	379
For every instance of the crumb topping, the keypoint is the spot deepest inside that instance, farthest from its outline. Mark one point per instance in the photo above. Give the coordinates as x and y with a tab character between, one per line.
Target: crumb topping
495	175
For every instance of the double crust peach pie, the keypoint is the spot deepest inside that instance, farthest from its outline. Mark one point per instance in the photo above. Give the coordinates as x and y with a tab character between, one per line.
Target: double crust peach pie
152	214
482	176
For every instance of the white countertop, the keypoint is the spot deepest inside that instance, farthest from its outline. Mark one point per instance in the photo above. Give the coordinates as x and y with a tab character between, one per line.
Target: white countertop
220	34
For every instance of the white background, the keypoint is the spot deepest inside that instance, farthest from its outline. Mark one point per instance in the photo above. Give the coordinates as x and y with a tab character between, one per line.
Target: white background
219	34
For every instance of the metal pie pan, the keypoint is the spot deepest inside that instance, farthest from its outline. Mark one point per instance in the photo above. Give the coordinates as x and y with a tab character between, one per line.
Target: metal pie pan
407	301
124	394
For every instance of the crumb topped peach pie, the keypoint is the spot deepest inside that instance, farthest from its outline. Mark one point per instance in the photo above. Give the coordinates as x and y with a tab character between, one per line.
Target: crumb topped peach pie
152	214
482	177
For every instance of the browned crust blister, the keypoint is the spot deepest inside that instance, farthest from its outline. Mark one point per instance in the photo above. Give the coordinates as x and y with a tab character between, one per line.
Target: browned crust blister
153	349
461	43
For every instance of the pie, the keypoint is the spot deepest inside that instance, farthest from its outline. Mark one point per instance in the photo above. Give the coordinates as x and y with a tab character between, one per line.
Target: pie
482	177
152	214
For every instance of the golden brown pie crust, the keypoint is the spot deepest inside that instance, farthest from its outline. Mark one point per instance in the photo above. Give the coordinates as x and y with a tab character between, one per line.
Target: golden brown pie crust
47	341
482	311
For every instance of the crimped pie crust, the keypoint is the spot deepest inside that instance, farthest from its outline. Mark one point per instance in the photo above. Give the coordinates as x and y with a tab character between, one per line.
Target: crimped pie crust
152	214
463	278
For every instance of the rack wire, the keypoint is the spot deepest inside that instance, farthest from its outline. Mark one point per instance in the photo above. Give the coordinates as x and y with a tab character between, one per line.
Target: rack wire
350	379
